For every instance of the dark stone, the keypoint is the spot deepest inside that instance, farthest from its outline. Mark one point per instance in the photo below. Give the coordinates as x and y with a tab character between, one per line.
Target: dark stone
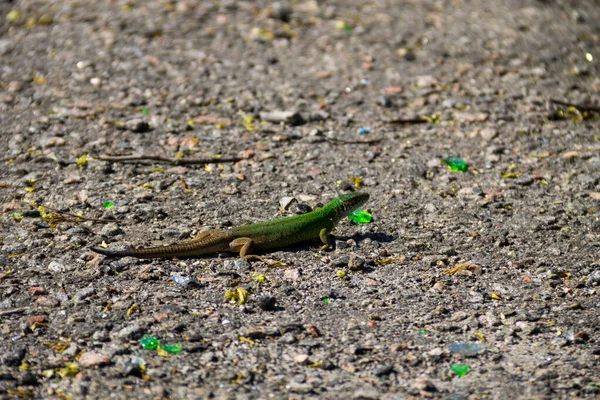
267	303
14	357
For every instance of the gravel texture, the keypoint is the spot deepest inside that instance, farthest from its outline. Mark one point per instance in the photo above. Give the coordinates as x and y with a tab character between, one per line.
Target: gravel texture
496	268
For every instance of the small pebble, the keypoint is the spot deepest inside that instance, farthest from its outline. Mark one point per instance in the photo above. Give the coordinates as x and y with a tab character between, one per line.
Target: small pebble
37	291
137	125
110	230
355	263
384	101
524	180
292	274
285	202
488	134
56	267
90	359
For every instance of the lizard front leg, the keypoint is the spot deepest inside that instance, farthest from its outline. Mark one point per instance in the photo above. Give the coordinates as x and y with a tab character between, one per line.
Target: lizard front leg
242	245
324	236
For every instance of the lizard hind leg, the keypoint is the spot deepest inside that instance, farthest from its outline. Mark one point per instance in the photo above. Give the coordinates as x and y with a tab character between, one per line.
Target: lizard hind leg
242	245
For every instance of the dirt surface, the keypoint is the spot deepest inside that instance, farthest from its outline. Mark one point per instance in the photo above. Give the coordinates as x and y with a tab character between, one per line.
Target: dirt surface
502	259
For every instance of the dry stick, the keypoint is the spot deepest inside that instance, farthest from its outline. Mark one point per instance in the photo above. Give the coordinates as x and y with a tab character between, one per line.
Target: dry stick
70	217
580	107
170	160
13	311
408	121
342	141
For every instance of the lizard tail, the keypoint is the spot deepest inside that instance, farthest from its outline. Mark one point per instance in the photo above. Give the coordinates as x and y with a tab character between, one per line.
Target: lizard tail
113	253
210	241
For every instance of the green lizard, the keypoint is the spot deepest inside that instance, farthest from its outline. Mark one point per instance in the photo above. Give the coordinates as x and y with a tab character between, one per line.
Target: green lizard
260	236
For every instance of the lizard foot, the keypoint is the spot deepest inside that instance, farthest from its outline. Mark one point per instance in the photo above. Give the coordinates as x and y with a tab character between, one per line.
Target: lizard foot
268	262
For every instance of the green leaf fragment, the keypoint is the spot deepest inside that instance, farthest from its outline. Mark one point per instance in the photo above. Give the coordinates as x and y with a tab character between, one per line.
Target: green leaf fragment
145	111
361	217
326	300
422	332
17	216
149	342
460	369
457	164
108	204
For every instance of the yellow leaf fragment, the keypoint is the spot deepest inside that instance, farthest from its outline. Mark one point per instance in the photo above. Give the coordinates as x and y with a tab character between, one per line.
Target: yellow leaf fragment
184	186
48	373
20	392
495	296
37	325
260	278
357	181
68	370
40	80
245	339
239	294
59	346
479	336
459	267
133	309
13	16
162	352
385	261
82	161
242	295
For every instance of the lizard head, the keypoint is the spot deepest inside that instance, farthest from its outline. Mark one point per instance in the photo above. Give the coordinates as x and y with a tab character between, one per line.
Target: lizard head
349	202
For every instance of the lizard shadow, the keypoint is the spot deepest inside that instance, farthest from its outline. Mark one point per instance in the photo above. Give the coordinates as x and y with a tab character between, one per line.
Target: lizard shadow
307	245
378	237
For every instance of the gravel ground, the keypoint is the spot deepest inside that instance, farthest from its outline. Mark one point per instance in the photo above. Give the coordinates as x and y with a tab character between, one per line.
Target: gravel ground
496	269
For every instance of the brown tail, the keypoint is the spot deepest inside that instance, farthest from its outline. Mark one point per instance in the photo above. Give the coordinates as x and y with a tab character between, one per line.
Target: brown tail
113	253
207	242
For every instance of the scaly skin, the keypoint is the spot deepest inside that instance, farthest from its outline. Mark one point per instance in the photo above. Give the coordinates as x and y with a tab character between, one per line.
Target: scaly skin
260	236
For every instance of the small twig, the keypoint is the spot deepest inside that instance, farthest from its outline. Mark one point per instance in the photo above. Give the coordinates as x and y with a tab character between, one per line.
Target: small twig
12	311
170	160
419	120
70	217
580	107
342	141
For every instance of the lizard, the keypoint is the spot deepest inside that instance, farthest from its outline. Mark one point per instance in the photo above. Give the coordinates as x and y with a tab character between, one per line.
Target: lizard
265	235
